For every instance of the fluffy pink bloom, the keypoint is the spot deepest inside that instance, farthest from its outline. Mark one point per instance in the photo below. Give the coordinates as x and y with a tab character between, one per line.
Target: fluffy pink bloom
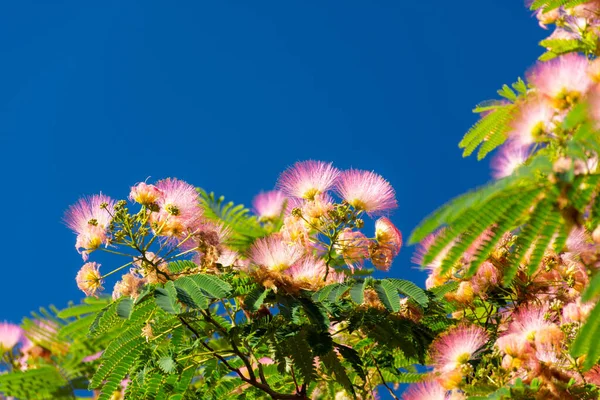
533	120
305	179
387	234
388	243
145	194
10	335
179	207
530	324
89	211
308	268
487	275
430	390
353	246
564	76
129	285
457	346
367	191
576	311
579	242
269	205
89	218
273	253
89	279
508	159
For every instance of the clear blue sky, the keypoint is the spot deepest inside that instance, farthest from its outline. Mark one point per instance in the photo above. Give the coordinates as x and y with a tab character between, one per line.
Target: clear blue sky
226	95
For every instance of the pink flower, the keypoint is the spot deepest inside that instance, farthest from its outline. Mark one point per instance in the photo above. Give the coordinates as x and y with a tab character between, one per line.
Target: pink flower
576	311
531	324
564	78
306	179
145	194
353	246
90	218
487	275
273	253
388	235
508	159
179	207
10	335
93	210
388	243
308	272
129	285
89	279
532	122
366	191
269	205
430	390
457	346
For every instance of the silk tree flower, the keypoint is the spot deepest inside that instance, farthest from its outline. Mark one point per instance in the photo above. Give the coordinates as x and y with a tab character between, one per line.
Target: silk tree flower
366	191
508	159
129	285
89	279
179	207
530	324
564	79
273	253
534	119
452	351
576	311
269	205
308	273
305	179
318	207
10	336
428	390
388	235
388	241
295	231
89	218
353	246
145	194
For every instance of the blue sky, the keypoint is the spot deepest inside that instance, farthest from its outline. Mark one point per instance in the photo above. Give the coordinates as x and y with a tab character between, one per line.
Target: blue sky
226	95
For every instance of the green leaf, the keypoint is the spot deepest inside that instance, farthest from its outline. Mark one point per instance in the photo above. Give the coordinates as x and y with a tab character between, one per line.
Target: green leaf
357	292
213	286
125	307
166	298
244	227
411	290
255	298
167	365
81	309
387	293
194	292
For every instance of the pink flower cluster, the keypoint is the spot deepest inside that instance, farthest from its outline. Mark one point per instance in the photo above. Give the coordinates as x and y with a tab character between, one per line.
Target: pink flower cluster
556	87
170	211
316	228
533	331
